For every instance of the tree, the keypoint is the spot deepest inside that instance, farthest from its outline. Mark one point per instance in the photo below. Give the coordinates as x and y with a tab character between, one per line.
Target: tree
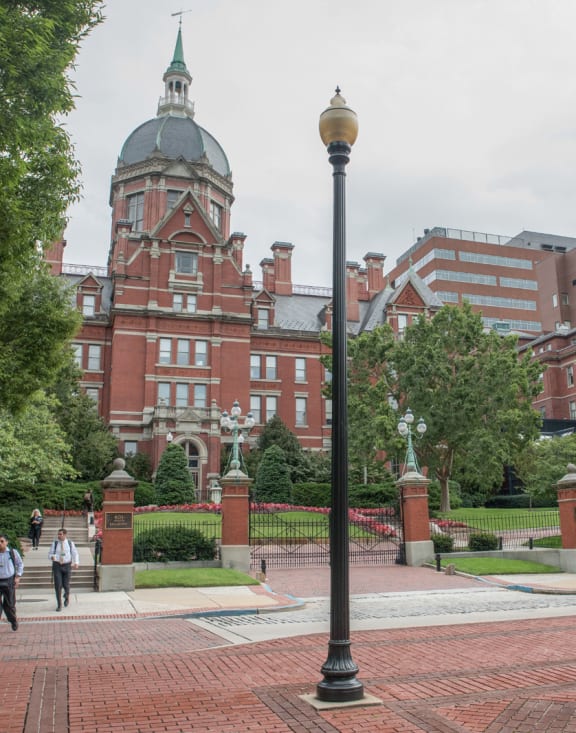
543	463
474	392
38	43
173	481
371	417
32	445
273	482
34	335
275	432
38	178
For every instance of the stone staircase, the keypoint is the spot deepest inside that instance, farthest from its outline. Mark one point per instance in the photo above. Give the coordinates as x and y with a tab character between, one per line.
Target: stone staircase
37	566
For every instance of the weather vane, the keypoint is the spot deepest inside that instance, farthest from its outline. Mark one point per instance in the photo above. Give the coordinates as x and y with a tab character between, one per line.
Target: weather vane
181	13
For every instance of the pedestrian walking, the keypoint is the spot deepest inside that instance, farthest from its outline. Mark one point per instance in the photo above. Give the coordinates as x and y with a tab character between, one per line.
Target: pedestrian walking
35	528
64	556
11	569
88	503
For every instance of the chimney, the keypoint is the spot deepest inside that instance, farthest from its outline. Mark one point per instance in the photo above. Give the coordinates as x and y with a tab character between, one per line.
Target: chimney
247	278
375	267
236	242
54	256
267	266
352	306
283	267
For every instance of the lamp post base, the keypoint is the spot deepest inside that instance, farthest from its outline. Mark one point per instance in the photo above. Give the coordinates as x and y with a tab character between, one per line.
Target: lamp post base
339	670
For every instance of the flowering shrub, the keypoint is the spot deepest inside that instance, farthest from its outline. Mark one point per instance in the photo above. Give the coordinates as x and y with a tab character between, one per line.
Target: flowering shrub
448	523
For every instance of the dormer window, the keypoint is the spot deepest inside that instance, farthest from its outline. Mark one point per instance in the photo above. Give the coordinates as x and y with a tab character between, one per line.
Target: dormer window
263	318
187	263
88	305
172	197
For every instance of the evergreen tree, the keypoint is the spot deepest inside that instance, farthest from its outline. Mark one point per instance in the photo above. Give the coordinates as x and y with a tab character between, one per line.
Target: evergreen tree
173	482
275	432
273	482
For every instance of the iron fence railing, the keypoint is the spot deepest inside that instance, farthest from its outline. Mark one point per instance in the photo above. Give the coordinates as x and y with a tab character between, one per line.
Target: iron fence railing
167	537
512	530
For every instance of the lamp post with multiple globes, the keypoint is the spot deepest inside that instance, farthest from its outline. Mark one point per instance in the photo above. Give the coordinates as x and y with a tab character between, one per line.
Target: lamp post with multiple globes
230	422
405	429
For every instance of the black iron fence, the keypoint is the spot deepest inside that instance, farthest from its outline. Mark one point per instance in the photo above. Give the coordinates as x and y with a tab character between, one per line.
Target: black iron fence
512	530
187	538
283	541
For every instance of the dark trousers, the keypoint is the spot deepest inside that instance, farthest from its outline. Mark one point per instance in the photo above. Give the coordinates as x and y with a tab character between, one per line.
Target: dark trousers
61	575
36	532
8	595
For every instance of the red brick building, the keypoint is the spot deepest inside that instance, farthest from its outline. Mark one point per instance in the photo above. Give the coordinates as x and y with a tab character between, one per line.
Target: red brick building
175	328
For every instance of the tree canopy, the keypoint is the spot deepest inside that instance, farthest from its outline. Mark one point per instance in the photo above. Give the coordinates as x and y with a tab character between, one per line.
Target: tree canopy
474	392
544	463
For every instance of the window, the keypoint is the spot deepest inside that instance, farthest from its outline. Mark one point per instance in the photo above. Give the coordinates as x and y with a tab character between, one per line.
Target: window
187	219
88	305
165	351
77	349
172	197
92	392
254	366
181	302
570	376
178	302
263	318
201	353
216	215
543	412
572	406
163	393
183	353
136	211
200	395
271	407
93	358
271	367
300	369
564	299
191	304
181	395
555	300
327	376
402	322
300	411
130	447
255	408
187	263
328	411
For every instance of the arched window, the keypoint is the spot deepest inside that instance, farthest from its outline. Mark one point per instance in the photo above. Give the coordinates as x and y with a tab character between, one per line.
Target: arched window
193	464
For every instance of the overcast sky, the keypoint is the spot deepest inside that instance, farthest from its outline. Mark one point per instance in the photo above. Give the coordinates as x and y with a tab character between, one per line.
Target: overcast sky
467	113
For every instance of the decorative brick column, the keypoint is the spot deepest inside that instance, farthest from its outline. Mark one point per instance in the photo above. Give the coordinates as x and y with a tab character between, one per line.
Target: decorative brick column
566	488
235	547
413	487
116	570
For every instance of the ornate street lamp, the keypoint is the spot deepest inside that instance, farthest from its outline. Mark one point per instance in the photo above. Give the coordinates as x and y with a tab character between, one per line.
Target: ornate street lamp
338	130
405	429
230	422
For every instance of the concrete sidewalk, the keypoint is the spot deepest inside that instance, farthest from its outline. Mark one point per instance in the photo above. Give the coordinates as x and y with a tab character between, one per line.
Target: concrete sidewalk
284	590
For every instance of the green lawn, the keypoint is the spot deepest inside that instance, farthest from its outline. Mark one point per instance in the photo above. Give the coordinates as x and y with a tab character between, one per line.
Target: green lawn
264	526
496	566
192	578
482	518
553	541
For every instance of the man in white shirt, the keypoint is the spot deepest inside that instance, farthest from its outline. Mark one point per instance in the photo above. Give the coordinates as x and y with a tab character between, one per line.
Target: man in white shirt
11	569
64	556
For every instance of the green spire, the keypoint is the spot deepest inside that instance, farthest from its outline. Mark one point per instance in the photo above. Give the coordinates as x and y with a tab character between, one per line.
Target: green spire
178	63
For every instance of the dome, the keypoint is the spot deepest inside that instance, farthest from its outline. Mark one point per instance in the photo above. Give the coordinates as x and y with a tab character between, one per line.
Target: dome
174	137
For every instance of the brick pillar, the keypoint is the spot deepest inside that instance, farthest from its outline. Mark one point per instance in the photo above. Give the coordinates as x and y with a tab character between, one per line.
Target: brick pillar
566	488
413	487
116	571
235	547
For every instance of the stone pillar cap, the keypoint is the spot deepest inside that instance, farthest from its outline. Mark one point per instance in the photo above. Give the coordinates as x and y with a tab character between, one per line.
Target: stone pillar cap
119	477
570	477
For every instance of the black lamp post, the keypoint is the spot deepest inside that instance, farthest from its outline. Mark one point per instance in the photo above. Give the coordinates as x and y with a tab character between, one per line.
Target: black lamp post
338	130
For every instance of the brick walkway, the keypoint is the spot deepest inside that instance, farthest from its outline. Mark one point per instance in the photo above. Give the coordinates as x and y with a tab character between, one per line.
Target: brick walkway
144	676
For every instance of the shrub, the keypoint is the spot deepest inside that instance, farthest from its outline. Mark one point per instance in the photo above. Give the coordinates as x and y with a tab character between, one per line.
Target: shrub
443	543
520	501
312	494
173	482
164	544
273	477
145	494
365	496
482	542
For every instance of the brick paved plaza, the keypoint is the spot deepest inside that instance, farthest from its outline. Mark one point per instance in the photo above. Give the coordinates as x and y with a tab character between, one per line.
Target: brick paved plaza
167	674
